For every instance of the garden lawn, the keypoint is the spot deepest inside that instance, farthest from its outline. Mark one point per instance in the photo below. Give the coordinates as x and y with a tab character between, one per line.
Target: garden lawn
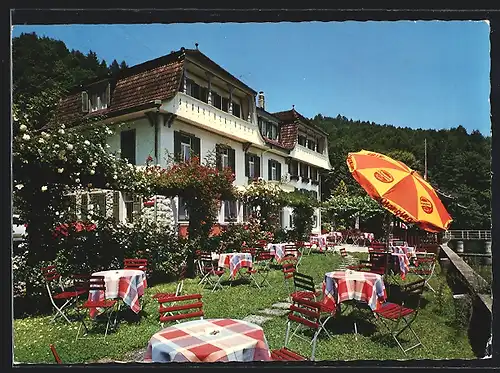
435	324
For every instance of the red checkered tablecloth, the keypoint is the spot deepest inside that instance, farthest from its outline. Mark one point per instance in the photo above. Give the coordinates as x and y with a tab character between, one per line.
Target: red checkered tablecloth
127	284
404	262
235	261
209	340
278	250
340	286
320	241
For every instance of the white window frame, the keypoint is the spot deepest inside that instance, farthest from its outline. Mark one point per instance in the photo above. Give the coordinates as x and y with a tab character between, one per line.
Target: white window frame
186	148
227	206
251	166
224	157
274	171
181	207
97	101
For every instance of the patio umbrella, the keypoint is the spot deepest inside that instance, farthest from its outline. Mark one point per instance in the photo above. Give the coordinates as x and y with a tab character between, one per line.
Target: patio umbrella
399	189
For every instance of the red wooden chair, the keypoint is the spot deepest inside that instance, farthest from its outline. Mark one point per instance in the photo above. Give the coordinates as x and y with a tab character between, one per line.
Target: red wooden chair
69	296
304	313
377	246
395	313
97	284
55	354
424	268
179	309
303	247
139	264
304	287
261	268
284	354
209	271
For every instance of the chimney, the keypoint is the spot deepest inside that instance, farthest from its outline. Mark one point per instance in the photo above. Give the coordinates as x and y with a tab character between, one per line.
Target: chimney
260	101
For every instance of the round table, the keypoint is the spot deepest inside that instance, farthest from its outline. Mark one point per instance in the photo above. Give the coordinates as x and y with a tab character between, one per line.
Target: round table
127	284
209	340
235	261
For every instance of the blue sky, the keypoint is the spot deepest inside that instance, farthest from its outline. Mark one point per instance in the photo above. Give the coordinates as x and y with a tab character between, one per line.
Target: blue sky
424	74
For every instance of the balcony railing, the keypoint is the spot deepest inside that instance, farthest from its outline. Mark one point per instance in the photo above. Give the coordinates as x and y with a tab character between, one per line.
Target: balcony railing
468	234
208	116
310	156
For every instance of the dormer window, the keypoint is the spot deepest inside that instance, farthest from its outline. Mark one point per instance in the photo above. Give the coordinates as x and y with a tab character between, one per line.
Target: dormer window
272	131
302	140
96	98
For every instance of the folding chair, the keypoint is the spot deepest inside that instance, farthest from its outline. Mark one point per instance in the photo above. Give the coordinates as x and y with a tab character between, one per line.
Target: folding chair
347	260
303	246
305	313
55	354
97	284
395	313
178	289
288	266
208	270
179	309
70	296
293	250
285	354
261	267
306	285
424	268
139	264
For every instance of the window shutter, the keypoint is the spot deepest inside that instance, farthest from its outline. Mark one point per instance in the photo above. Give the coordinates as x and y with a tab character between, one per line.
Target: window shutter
85	102
247	171
269	173
177	146
257	166
278	170
108	95
101	203
232	160
116	206
137	204
195	146
218	159
72	207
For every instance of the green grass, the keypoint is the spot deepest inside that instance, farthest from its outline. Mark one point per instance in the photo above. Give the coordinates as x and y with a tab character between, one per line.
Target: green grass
434	325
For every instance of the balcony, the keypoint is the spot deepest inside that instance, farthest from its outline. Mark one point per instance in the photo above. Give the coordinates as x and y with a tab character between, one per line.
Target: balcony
311	157
212	119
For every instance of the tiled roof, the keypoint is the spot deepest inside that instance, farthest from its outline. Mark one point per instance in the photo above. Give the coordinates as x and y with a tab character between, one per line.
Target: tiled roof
136	86
291	116
288	135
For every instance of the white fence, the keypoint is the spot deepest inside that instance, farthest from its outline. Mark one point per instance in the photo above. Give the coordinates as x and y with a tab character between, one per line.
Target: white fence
468	234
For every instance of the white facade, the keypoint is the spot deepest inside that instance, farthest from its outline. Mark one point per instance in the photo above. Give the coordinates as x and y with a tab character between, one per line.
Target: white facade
212	125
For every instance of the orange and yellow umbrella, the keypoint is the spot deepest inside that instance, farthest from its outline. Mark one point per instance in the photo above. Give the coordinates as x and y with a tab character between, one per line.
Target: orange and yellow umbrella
399	189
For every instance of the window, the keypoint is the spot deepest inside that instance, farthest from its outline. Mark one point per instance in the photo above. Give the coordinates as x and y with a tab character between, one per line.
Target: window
127	145
314	174
274	170
321	145
304	172
252	166
302	140
272	131
315	220
236	110
230	211
132	205
311	144
225	104
247	211
99	98
197	91
185	148
293	169
216	100
182	213
224	155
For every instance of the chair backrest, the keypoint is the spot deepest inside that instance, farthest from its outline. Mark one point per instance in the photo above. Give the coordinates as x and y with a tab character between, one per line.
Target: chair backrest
55	354
81	282
412	292
305	312
182	308
140	264
289	266
50	273
377	246
250	250
263	255
97	283
261	243
303	281
343	252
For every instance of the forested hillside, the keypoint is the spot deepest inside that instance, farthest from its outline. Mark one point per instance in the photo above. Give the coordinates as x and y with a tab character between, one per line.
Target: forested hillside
43	69
458	163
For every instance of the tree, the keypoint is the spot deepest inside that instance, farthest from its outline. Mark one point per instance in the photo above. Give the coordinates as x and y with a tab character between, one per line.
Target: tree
114	67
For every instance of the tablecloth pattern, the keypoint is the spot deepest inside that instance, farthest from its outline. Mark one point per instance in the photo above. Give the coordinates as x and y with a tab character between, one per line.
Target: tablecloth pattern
340	286
320	241
127	284
278	250
235	261
196	341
